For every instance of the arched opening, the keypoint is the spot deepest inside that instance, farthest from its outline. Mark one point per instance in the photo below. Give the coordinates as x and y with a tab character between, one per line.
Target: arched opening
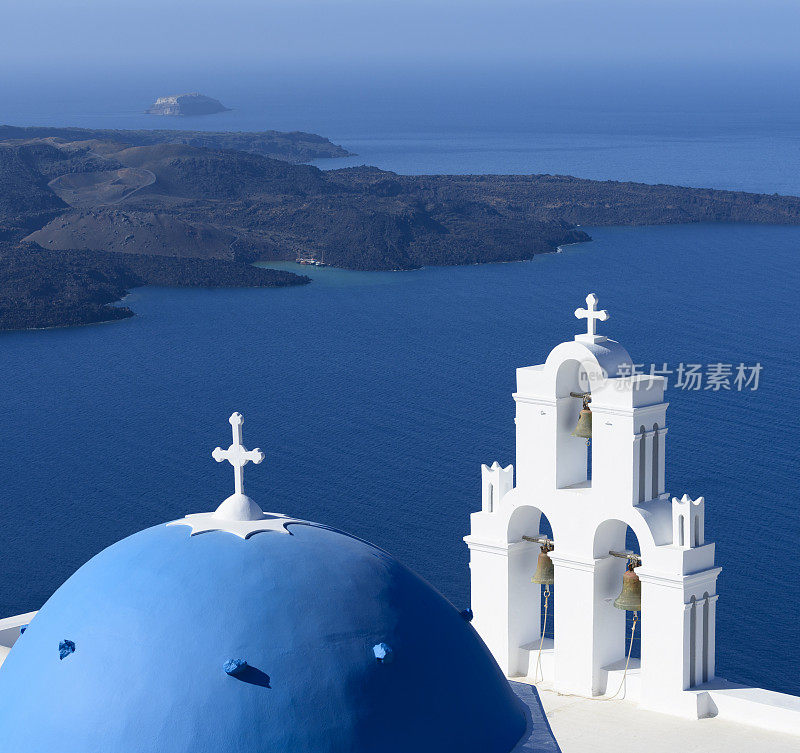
632	545
548	616
589	462
545	529
491	497
532	607
614	626
693	643
681	531
642	462
656	465
697	530
706	607
573	454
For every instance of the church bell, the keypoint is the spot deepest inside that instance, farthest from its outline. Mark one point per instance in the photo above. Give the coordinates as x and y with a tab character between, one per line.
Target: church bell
545	573
584	427
630	599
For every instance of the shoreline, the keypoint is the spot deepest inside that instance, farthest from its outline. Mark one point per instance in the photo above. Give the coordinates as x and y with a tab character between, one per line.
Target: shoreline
270	265
52	290
301	270
199	216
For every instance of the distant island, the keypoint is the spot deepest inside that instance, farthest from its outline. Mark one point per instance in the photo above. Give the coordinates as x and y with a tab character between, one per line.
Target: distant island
85	215
291	146
186	104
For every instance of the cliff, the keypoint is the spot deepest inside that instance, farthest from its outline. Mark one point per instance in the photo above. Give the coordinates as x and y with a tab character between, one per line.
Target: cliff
41	288
184	209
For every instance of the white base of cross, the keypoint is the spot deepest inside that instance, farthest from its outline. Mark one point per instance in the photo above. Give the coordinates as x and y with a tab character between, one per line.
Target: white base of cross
591	339
203	522
239	507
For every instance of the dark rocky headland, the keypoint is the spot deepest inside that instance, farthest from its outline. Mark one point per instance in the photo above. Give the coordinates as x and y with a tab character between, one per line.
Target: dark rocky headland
40	288
290	146
86	215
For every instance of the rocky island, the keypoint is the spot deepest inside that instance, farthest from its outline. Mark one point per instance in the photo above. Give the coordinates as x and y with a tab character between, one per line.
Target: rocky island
85	215
186	104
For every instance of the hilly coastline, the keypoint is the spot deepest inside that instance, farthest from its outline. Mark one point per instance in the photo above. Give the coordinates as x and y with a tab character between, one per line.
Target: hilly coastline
86	215
292	146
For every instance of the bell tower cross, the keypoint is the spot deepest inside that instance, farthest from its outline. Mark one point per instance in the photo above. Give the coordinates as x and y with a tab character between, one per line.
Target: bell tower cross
592	316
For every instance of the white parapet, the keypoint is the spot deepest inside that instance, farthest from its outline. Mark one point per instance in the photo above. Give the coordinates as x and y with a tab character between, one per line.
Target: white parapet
777	712
10	632
496	483
688	522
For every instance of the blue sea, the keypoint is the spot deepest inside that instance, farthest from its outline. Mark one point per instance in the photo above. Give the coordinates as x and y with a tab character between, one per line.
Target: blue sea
376	396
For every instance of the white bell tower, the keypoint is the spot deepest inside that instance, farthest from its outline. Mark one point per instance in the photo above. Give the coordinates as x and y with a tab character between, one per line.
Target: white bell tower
590	511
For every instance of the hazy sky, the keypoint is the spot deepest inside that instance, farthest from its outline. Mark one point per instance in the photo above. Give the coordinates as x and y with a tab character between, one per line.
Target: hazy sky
74	34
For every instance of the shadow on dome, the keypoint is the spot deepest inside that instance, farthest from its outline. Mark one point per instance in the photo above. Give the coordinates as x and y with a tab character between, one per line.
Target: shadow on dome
253	676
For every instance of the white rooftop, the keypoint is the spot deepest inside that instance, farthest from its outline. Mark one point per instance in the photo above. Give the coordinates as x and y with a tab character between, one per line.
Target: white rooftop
583	725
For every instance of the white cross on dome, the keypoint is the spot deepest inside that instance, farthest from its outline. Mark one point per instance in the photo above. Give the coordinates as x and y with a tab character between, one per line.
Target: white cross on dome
238	514
237	454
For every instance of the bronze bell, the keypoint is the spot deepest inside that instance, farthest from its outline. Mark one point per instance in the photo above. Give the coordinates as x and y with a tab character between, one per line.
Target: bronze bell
584	427
545	573
630	599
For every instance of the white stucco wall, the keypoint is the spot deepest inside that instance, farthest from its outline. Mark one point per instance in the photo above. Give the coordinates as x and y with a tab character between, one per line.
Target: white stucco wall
588	518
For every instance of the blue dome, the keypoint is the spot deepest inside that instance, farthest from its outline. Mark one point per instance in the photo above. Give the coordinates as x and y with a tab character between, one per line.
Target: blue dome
339	648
